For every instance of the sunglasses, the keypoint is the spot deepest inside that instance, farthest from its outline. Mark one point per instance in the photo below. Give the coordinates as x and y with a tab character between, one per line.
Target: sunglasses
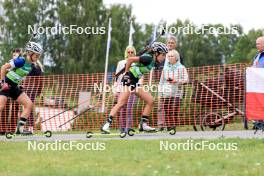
130	52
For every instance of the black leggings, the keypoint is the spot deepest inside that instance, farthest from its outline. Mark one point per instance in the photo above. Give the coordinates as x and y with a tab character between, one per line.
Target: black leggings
171	108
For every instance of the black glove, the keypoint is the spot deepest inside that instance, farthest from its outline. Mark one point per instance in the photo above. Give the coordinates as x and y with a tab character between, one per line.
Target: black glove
126	79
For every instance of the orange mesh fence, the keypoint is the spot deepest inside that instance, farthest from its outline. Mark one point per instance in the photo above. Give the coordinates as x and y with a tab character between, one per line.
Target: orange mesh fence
201	96
213	96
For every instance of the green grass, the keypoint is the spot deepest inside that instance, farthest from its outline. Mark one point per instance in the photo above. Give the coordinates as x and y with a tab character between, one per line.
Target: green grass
134	157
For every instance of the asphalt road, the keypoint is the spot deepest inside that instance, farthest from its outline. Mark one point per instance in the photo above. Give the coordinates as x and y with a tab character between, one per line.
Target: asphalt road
145	136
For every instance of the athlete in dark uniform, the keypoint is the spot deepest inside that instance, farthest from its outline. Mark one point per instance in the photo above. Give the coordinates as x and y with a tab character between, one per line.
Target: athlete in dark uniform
142	64
12	74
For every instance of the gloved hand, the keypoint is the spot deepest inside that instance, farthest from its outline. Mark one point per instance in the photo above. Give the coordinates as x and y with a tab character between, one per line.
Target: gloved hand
126	79
4	85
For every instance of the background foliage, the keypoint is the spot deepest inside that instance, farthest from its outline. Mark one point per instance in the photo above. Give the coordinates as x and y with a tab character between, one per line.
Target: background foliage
86	53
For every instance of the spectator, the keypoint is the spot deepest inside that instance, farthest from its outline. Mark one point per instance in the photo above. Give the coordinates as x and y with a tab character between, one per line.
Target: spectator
171	45
171	91
126	113
259	58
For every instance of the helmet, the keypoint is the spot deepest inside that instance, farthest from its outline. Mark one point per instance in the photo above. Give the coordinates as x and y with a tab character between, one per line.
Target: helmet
34	47
159	47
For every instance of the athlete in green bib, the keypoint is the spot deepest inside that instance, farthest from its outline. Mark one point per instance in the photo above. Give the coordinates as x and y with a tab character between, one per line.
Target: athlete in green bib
12	74
141	65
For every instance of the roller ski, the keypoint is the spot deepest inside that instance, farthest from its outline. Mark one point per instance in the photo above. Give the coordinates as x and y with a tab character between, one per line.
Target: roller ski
20	131
11	135
170	130
92	134
105	130
144	127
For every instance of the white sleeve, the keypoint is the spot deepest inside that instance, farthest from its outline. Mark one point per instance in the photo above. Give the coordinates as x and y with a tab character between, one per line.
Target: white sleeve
11	62
120	65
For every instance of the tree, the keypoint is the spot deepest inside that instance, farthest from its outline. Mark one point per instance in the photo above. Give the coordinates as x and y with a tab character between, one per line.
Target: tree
204	47
245	48
85	53
18	16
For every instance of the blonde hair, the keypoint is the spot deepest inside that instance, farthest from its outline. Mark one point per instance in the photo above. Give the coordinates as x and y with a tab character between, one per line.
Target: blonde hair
127	48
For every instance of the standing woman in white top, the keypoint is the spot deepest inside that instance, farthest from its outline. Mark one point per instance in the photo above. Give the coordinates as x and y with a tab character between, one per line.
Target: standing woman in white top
174	74
126	113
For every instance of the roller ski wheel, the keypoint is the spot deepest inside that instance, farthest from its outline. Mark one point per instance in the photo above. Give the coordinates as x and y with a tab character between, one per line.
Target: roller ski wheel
9	135
48	134
131	132
123	134
172	130
89	134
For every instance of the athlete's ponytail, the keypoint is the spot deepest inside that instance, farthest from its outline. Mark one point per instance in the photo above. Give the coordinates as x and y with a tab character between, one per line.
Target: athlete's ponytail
39	64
